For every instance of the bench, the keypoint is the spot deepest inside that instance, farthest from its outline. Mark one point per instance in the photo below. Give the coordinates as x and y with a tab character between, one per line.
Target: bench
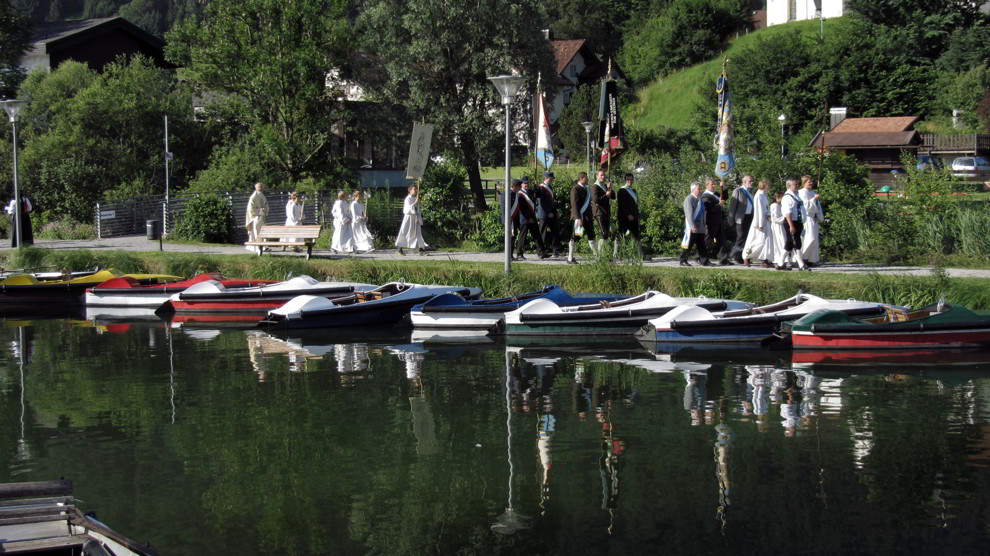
297	236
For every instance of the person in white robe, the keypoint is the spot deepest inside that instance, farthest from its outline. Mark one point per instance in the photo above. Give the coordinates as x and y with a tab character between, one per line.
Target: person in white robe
359	223
810	246
293	213
343	234
257	215
778	226
759	241
411	230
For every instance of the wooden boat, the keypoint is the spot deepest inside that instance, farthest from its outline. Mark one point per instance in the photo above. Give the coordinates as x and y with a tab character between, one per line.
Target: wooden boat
936	327
607	318
214	299
386	305
25	290
41	518
695	324
453	312
125	291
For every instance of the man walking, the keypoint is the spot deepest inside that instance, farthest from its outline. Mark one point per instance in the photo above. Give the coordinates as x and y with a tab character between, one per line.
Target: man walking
257	215
524	218
794	213
741	213
627	204
694	227
582	216
602	208
715	235
546	213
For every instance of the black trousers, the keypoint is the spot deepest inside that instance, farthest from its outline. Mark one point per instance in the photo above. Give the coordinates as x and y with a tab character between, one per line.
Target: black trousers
696	240
548	231
605	222
793	240
742	230
715	241
632	227
529	228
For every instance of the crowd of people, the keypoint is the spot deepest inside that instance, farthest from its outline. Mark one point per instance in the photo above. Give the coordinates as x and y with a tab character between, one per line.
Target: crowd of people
783	234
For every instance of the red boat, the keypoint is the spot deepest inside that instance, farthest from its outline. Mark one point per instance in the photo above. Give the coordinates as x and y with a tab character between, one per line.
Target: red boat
125	291
214	299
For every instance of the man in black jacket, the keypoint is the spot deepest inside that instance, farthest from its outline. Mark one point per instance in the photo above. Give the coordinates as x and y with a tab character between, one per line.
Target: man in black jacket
547	214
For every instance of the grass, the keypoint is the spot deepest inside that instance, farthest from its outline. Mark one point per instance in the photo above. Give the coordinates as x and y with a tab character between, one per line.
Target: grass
669	101
756	287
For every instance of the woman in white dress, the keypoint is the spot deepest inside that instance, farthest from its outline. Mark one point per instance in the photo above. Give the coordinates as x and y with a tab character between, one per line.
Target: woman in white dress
343	235
359	222
293	213
779	226
759	241
810	246
411	231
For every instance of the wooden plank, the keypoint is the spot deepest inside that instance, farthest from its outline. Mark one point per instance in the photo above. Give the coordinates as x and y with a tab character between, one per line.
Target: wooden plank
33	519
38	545
26	501
36	488
32	510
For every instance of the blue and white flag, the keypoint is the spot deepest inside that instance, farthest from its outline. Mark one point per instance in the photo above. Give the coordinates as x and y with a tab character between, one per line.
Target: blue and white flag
724	141
544	147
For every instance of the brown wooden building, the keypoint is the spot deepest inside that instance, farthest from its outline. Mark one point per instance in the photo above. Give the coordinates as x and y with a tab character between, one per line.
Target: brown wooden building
877	143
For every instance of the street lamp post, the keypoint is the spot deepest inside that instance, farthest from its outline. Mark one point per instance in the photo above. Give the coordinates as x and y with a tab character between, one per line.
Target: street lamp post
782	119
508	87
587	154
13	108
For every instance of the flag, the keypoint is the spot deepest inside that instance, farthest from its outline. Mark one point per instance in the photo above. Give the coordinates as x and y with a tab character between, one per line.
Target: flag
611	139
726	160
419	150
544	148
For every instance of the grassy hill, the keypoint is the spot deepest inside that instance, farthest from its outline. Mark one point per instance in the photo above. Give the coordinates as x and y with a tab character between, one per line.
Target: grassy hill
668	102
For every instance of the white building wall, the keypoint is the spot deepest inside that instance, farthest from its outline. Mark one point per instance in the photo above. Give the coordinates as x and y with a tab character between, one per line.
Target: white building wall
31	62
784	11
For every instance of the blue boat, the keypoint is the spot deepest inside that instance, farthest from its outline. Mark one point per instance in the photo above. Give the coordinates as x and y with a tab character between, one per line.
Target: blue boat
453	312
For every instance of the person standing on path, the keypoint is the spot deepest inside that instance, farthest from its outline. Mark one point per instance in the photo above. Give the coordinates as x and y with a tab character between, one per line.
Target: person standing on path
411	230
741	213
810	246
257	215
524	217
582	215
715	235
793	211
778	227
546	213
293	214
694	227
627	206
343	232
759	240
363	240
27	233
602	208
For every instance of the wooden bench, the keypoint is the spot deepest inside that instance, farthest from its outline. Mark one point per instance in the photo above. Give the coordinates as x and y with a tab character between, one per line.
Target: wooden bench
298	236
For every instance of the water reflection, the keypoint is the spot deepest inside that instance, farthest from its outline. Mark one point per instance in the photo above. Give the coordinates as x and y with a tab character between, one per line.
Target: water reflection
388	442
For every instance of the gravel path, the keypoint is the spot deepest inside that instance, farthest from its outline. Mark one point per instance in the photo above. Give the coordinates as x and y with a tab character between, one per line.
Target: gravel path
139	243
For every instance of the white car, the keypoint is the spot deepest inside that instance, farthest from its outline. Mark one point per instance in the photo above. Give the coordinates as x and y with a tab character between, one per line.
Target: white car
971	168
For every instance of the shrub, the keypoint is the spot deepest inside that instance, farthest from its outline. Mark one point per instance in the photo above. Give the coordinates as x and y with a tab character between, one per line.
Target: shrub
66	229
208	218
444	215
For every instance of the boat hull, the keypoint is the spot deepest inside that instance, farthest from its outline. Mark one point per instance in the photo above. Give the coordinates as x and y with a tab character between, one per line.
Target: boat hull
930	339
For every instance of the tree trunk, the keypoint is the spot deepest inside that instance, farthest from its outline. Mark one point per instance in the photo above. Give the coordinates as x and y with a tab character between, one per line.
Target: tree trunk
469	156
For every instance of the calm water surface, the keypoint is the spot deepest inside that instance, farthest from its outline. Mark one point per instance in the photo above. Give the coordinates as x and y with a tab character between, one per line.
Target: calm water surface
202	441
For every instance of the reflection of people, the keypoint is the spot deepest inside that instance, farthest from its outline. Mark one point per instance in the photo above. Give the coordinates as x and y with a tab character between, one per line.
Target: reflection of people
359	223
257	215
759	381
411	230
724	438
27	234
694	394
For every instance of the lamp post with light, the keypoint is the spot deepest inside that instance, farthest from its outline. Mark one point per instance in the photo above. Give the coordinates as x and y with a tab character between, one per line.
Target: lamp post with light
13	108
587	132
508	87
782	119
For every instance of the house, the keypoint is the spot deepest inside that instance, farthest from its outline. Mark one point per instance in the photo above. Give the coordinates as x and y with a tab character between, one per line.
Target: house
96	42
785	11
877	143
576	65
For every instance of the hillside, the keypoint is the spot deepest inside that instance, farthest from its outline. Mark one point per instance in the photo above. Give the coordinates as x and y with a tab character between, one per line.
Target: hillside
668	102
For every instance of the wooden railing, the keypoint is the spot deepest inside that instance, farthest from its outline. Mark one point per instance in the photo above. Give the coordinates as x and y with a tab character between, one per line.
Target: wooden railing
963	142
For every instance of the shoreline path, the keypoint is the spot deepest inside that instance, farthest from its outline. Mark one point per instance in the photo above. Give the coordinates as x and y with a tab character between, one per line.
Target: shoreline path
140	243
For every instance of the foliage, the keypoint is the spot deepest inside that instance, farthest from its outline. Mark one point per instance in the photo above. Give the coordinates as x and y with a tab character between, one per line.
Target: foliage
600	23
964	91
15	35
438	56
208	218
233	167
87	133
48	227
441	201
267	62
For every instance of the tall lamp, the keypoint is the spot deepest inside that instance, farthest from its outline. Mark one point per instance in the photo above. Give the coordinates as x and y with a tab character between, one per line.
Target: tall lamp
783	120
508	87
587	132
13	108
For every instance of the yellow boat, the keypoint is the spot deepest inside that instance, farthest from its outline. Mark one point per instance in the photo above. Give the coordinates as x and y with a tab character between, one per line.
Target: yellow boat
25	291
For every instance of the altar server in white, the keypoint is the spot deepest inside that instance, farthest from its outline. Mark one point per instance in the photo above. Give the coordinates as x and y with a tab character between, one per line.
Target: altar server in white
759	240
411	230
779	233
359	222
810	246
343	235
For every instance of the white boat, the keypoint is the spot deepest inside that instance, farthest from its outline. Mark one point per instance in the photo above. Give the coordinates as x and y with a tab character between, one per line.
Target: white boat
543	317
213	298
125	291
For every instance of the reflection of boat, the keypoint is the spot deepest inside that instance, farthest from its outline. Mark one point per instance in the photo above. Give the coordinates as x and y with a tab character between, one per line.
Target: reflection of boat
720	354
899	358
24	290
127	292
386	305
452	311
121	314
938	327
694	324
212	298
624	317
41	517
451	337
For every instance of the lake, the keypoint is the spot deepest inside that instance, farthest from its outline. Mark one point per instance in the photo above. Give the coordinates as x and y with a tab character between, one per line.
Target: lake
203	440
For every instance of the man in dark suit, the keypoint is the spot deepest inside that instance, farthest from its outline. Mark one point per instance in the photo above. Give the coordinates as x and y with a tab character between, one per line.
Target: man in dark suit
547	214
581	215
627	205
715	234
741	213
524	218
694	227
601	207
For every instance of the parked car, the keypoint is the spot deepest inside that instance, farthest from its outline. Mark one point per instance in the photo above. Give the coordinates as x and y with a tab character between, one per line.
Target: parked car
930	162
971	168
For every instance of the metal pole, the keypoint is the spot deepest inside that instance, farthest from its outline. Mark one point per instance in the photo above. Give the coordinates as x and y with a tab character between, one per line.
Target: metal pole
506	189
781	139
17	195
167	156
587	148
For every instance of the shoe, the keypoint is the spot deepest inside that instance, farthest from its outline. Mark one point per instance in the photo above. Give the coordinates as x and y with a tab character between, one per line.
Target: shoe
766	264
685	263
725	262
544	255
783	267
556	253
372	250
401	252
739	260
520	258
707	263
745	262
572	261
806	269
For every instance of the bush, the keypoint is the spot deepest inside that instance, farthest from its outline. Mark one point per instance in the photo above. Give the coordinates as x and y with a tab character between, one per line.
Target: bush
208	218
444	214
66	229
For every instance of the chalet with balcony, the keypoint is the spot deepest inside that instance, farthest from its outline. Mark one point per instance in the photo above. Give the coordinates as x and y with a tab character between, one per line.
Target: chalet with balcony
877	143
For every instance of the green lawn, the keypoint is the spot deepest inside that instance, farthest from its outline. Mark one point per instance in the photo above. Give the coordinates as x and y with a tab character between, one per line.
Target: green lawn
669	101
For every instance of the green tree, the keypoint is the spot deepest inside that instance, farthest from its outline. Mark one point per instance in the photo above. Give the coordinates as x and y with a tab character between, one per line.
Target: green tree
582	108
600	23
439	55
268	62
15	34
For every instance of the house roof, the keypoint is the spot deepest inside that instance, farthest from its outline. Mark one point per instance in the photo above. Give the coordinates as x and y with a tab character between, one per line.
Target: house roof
564	51
876	125
868	139
61	34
